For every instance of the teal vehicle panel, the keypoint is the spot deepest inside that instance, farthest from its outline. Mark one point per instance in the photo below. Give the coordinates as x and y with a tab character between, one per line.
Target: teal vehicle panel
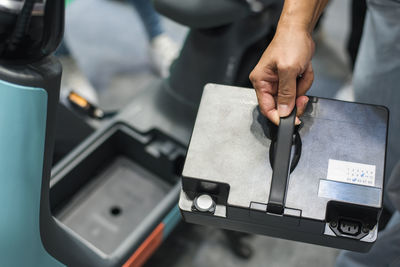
171	220
22	140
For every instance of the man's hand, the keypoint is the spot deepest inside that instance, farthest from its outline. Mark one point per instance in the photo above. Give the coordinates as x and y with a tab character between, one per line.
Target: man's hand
284	73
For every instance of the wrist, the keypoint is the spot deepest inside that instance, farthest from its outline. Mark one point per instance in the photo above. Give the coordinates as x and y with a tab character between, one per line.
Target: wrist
292	29
301	15
290	24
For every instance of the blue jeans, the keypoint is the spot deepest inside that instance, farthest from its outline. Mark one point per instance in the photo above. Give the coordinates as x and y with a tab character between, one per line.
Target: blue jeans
376	80
377	72
385	252
150	18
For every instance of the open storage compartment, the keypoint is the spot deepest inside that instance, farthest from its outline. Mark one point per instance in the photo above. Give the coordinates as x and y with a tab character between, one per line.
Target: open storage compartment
116	185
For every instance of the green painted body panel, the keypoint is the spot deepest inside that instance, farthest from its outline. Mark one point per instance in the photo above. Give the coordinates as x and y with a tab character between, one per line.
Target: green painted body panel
22	139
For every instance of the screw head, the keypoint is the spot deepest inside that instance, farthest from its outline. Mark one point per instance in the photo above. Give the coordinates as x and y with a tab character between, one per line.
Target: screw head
365	229
333	223
204	203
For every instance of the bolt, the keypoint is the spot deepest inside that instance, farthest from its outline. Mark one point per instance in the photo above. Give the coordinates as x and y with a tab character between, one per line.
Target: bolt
333	223
365	229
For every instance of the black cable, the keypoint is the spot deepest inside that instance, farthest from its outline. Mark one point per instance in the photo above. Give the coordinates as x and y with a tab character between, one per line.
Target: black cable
21	25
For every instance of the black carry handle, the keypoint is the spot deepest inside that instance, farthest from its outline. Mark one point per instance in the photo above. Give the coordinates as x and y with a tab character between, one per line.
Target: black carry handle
280	171
296	153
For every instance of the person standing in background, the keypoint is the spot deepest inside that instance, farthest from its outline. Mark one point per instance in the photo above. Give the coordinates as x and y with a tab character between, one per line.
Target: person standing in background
284	74
162	49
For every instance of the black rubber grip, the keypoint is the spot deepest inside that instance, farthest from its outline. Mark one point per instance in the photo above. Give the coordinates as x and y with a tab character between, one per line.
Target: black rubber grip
280	172
297	144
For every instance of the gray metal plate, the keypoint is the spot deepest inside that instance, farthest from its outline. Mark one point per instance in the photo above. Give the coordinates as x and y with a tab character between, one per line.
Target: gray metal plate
228	145
106	211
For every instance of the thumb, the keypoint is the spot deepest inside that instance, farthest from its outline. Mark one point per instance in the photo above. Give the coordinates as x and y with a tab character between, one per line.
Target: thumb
286	91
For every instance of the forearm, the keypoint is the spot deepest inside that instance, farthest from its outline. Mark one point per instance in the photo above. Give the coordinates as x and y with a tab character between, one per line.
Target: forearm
301	14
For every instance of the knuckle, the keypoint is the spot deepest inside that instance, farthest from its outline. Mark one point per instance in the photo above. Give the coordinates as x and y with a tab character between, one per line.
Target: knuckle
253	76
283	66
310	71
286	93
288	67
310	76
259	86
257	80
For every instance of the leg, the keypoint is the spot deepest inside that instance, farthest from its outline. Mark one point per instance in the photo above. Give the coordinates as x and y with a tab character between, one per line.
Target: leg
358	11
163	50
377	69
151	19
241	248
376	81
385	252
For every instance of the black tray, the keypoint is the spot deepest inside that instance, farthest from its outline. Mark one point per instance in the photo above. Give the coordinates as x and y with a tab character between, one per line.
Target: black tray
115	188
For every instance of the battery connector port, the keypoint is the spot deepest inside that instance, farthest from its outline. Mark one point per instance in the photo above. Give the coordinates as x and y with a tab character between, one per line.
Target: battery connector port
348	227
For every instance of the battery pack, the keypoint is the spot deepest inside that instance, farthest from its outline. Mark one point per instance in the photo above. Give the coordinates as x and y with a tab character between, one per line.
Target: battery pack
320	182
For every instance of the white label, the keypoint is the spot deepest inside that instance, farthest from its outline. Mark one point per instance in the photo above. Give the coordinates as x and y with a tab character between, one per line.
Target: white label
351	172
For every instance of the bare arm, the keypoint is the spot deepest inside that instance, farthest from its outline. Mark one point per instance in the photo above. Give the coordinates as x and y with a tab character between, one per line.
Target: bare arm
302	13
284	73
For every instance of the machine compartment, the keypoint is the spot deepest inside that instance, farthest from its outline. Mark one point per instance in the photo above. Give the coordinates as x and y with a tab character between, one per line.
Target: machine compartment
114	184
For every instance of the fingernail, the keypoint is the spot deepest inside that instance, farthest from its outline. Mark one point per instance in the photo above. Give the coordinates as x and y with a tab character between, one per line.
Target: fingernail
297	121
283	110
275	117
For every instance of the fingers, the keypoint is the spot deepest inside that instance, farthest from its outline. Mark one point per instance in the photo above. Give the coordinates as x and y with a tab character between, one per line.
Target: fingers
265	82
301	104
287	90
266	101
305	82
279	102
303	85
267	106
264	78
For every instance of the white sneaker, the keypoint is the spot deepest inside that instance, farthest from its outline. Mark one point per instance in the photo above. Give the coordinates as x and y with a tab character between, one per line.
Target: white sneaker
163	51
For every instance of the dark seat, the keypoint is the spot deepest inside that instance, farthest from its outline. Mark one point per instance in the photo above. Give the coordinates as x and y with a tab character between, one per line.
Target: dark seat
225	41
198	14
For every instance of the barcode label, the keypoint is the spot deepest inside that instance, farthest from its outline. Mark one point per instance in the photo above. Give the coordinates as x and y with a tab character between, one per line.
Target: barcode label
351	172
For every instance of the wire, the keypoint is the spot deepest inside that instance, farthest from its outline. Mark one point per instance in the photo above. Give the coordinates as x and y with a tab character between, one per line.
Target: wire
21	25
